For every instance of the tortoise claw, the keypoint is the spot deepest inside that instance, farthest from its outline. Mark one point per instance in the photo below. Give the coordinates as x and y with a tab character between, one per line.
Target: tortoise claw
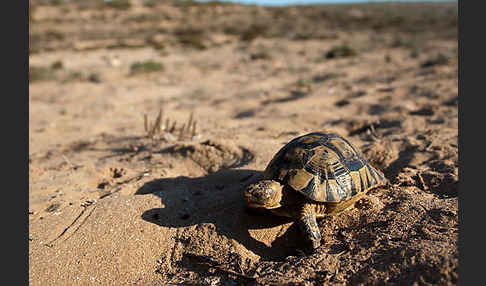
311	246
308	249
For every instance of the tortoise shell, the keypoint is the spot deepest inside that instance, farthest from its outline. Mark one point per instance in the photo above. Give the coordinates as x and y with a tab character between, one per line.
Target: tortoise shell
323	167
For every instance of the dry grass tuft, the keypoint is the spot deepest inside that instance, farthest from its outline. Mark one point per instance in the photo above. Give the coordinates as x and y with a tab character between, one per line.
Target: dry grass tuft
438	60
37	73
191	38
170	130
147	66
340	51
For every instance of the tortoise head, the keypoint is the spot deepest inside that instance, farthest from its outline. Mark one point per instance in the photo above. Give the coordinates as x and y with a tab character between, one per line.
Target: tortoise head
265	194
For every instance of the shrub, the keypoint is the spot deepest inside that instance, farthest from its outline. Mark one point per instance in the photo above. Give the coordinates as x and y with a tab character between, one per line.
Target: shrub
340	51
146	67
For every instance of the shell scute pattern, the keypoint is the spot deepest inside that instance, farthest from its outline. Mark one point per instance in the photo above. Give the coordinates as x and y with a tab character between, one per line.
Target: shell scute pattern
324	167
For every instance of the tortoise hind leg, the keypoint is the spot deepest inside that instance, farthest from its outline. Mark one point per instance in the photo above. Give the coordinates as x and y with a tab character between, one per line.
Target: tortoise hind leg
307	223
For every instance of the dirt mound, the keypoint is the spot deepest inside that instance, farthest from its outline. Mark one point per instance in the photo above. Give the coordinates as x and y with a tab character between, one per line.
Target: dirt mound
214	155
380	153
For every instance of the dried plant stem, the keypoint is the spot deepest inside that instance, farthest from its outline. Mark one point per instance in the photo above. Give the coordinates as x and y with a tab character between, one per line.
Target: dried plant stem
159	122
171	130
194	128
156	127
189	123
167	122
187	130
145	122
181	131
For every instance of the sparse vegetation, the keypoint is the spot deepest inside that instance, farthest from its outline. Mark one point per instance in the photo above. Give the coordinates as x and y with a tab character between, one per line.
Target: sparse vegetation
324	77
94	77
57	72
413	42
147	66
46	2
40	73
169	130
253	32
118	4
438	60
260	55
73	76
191	37
139	18
57	65
184	3
414	53
150	3
53	35
262	21
340	51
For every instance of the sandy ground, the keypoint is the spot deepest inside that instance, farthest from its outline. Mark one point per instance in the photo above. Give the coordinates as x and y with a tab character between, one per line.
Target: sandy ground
111	204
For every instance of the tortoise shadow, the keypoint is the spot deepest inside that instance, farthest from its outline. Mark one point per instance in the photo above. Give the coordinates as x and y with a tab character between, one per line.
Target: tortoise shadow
218	199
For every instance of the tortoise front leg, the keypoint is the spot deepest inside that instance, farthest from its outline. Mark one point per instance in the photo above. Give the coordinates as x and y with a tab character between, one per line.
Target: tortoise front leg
307	223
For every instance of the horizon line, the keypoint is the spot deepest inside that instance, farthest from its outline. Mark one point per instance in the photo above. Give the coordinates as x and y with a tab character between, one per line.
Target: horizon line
314	2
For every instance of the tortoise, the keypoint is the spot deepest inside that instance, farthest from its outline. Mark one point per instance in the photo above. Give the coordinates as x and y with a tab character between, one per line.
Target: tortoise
313	175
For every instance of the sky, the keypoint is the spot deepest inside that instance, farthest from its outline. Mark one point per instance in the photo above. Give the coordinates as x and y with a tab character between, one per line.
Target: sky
296	2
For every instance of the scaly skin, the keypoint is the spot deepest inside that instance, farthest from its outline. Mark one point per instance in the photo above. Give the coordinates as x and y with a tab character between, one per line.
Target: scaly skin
305	215
289	203
269	195
307	223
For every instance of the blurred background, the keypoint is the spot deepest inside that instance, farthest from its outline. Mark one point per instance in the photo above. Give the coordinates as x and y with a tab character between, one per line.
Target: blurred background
154	18
307	2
